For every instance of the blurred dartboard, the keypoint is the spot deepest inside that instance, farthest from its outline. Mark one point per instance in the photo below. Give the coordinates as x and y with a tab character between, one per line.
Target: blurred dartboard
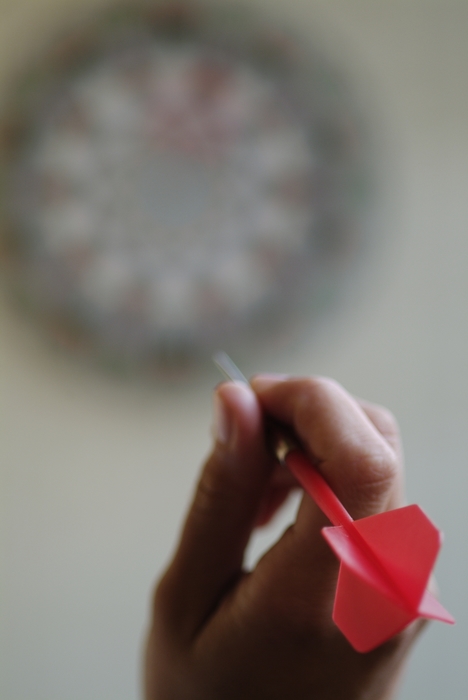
175	179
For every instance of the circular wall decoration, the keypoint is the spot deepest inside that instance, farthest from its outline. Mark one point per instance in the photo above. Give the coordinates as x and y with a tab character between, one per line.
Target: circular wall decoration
175	179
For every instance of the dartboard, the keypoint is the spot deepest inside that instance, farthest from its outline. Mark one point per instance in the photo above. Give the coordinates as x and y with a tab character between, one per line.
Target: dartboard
174	181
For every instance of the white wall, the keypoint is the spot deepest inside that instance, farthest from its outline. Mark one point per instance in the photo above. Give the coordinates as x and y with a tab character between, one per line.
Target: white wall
96	473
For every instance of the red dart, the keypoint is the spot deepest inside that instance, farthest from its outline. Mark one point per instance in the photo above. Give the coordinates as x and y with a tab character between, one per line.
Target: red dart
386	559
386	562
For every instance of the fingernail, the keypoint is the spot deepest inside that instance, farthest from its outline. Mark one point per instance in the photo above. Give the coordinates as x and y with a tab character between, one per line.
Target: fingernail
222	424
262	382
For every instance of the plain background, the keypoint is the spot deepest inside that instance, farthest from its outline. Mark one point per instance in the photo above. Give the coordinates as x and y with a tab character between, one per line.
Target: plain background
96	472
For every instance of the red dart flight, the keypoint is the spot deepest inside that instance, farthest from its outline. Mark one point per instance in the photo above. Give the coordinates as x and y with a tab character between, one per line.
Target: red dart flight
386	562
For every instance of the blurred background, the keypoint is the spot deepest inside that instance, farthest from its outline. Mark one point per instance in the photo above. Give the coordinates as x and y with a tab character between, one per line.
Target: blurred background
97	468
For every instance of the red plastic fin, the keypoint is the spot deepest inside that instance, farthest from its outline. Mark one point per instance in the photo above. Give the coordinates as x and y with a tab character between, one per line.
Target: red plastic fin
356	561
433	610
365	616
407	543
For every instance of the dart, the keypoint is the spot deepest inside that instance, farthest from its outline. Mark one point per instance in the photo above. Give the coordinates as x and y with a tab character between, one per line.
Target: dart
386	560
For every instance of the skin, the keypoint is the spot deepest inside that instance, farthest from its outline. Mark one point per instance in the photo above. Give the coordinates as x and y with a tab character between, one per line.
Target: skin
220	633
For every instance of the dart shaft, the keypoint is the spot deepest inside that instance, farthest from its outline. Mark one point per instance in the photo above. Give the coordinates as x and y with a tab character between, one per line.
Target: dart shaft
315	485
289	453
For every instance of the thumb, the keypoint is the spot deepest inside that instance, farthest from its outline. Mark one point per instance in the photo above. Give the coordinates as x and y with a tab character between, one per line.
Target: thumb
223	512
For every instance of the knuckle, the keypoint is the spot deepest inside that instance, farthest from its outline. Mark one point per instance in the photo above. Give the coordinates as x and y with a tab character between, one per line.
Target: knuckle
375	470
314	392
380	465
328	384
387	417
163	593
321	385
387	420
167	614
161	602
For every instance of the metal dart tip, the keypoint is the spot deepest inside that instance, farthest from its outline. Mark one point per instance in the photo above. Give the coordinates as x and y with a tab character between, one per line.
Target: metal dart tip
228	368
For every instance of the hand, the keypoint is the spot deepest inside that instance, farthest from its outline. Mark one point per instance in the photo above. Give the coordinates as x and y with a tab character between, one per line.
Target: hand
220	633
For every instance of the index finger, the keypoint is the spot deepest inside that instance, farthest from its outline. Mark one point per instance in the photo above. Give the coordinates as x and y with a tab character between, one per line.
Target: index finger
358	462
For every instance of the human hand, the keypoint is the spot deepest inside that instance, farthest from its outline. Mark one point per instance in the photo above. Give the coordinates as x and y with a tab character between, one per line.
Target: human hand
220	633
